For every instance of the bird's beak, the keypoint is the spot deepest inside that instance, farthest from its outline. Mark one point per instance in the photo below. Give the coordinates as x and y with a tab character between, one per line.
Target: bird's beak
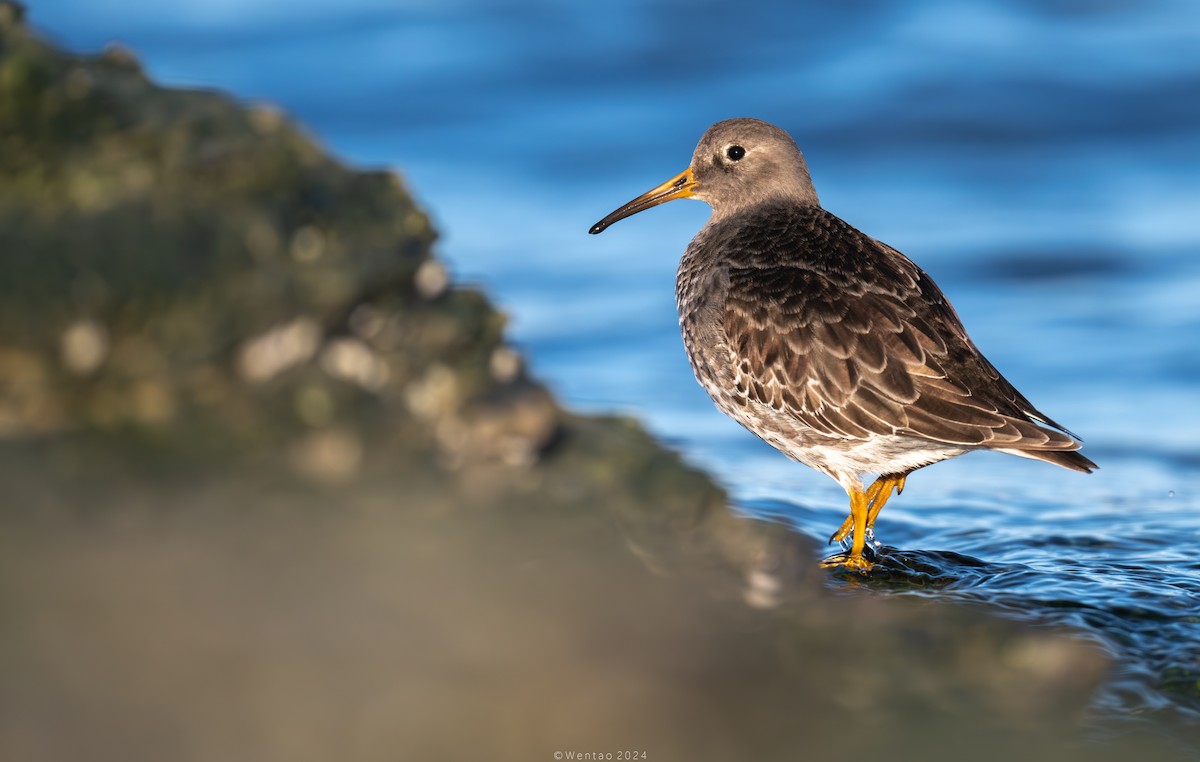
680	186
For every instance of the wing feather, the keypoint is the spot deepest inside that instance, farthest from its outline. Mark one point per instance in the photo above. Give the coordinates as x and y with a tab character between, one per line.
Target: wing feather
875	355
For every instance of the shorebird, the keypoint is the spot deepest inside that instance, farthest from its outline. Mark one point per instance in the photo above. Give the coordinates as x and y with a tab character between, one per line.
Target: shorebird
831	346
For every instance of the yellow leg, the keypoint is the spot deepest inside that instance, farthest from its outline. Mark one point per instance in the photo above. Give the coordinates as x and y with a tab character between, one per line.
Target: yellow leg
877	495
887	484
854	560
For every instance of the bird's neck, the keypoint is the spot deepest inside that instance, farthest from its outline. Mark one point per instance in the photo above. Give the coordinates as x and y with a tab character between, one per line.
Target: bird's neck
744	208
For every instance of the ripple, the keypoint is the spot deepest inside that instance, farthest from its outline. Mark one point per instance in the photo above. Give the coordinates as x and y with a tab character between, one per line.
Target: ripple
1126	575
900	571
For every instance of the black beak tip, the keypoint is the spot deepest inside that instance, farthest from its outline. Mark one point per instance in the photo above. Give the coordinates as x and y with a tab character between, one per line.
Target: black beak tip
597	228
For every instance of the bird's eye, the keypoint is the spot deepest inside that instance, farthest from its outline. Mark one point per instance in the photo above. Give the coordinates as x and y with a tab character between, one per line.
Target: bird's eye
735	153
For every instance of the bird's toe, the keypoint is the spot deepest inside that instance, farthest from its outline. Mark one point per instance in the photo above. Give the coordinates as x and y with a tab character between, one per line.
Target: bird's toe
855	563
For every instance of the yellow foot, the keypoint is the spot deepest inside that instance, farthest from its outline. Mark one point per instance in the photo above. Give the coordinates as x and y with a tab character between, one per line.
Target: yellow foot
851	562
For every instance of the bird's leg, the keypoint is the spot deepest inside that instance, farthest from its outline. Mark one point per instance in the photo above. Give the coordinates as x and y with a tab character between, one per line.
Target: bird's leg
877	495
848	525
854	560
886	484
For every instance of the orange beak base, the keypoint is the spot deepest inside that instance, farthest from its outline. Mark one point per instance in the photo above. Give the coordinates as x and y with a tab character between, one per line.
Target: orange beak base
681	186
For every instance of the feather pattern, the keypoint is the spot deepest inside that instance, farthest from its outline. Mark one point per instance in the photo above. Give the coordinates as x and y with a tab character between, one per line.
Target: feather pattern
795	310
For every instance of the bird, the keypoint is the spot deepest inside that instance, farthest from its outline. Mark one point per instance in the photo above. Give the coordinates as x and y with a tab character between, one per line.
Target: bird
831	346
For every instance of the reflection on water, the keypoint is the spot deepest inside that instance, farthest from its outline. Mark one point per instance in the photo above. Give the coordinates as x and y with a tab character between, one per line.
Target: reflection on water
1039	159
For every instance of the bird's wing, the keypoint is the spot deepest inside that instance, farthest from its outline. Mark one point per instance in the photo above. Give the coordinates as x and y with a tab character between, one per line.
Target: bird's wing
854	357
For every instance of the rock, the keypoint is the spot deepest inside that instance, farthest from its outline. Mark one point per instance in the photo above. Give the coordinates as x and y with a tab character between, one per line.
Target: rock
174	260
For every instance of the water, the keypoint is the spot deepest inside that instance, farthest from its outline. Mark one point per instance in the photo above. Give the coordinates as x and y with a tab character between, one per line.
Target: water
1040	159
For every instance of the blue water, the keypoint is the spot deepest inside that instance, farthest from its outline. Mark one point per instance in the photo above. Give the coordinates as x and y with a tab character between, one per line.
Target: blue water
1040	158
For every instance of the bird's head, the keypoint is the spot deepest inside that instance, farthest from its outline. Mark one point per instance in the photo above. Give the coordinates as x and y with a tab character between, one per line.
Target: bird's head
738	163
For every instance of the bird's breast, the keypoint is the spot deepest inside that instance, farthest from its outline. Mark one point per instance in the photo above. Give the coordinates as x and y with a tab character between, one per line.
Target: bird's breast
700	287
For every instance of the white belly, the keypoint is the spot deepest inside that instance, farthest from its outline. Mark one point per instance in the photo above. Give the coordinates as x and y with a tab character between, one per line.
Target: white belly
845	459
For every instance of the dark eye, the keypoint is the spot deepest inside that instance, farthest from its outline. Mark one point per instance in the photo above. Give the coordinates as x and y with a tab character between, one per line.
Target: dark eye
735	153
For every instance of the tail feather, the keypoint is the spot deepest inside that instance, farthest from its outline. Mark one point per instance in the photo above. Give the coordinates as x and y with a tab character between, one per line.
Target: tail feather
1065	458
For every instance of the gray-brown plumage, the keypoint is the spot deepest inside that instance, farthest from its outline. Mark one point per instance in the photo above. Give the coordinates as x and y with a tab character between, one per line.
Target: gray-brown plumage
833	347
